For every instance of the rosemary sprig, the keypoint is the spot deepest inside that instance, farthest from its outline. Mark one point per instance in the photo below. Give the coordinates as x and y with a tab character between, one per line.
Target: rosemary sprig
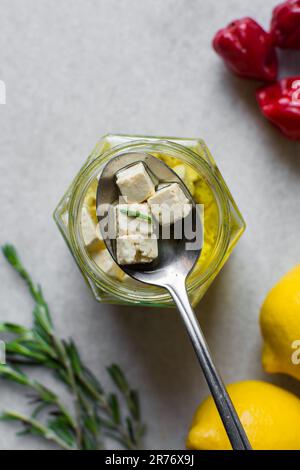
136	214
36	428
94	413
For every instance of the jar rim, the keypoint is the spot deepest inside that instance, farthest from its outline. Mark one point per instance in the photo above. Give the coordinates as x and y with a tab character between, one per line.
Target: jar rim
90	172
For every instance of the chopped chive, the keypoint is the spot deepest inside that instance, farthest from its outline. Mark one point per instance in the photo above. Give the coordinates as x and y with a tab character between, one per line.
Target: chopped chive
136	214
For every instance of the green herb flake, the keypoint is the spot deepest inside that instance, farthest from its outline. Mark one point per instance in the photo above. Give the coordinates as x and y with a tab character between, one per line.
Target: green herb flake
136	214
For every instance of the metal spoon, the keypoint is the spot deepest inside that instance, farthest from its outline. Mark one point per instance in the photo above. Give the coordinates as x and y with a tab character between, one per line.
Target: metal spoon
170	271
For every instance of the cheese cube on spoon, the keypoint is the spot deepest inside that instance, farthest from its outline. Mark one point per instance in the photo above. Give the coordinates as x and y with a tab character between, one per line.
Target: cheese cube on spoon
132	219
132	249
169	204
135	183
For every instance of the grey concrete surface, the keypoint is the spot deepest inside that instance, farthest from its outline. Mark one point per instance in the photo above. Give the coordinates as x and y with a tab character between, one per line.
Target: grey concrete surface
77	69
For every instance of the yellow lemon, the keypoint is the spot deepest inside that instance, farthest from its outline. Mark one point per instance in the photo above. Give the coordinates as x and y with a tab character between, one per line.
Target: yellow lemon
280	326
269	414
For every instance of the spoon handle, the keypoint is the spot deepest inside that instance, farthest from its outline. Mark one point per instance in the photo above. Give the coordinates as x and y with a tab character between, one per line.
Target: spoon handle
228	414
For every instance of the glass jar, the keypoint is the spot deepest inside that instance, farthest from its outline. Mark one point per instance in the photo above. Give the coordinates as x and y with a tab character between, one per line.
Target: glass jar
191	159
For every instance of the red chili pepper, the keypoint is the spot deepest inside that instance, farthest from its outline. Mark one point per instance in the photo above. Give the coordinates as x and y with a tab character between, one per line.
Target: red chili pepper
247	50
285	25
280	103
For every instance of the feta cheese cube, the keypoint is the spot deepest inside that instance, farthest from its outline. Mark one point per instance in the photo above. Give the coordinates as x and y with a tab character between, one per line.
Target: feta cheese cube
132	249
169	204
133	219
106	263
90	231
135	183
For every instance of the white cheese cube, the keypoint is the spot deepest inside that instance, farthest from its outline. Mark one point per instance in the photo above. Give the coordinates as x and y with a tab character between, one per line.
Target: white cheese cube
169	204
90	231
104	260
135	183
132	249
133	219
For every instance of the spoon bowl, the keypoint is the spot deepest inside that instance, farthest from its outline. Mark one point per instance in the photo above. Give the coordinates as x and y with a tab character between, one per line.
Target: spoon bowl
176	255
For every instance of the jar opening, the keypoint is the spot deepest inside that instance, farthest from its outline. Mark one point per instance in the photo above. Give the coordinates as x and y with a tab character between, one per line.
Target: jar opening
170	152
